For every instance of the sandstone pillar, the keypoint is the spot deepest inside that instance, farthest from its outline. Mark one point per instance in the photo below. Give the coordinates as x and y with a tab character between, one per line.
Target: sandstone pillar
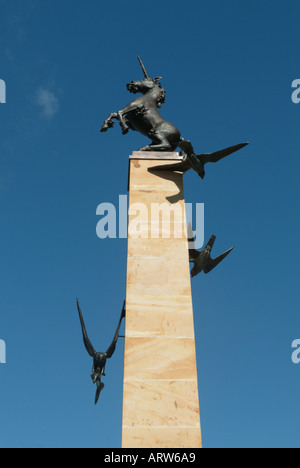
160	401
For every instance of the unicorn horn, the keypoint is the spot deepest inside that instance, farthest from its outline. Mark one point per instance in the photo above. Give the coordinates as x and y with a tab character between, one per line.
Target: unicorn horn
143	68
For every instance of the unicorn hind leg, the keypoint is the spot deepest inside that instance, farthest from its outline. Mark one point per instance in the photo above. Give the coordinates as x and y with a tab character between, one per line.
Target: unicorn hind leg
164	140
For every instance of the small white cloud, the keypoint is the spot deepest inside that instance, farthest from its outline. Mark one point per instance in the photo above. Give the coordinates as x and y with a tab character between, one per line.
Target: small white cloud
48	102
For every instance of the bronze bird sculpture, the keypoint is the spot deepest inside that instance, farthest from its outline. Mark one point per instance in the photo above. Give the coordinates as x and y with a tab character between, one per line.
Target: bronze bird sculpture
99	359
197	162
202	259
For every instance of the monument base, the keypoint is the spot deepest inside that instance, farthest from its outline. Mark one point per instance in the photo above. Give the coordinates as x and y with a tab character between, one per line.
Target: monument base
160	401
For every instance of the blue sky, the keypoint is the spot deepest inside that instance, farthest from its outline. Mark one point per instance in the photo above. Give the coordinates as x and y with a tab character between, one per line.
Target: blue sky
228	67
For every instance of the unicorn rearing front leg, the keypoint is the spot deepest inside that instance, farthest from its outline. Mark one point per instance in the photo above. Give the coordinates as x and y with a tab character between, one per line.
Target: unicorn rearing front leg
121	117
109	123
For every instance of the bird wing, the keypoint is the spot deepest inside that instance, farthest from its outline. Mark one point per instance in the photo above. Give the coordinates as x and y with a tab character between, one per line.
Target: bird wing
212	263
196	164
113	345
88	345
215	157
183	167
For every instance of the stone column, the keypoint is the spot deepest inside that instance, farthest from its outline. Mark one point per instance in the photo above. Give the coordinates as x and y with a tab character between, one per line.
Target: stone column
160	401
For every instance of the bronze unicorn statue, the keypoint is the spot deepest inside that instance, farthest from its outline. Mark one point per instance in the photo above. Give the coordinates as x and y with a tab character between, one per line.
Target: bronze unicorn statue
142	115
